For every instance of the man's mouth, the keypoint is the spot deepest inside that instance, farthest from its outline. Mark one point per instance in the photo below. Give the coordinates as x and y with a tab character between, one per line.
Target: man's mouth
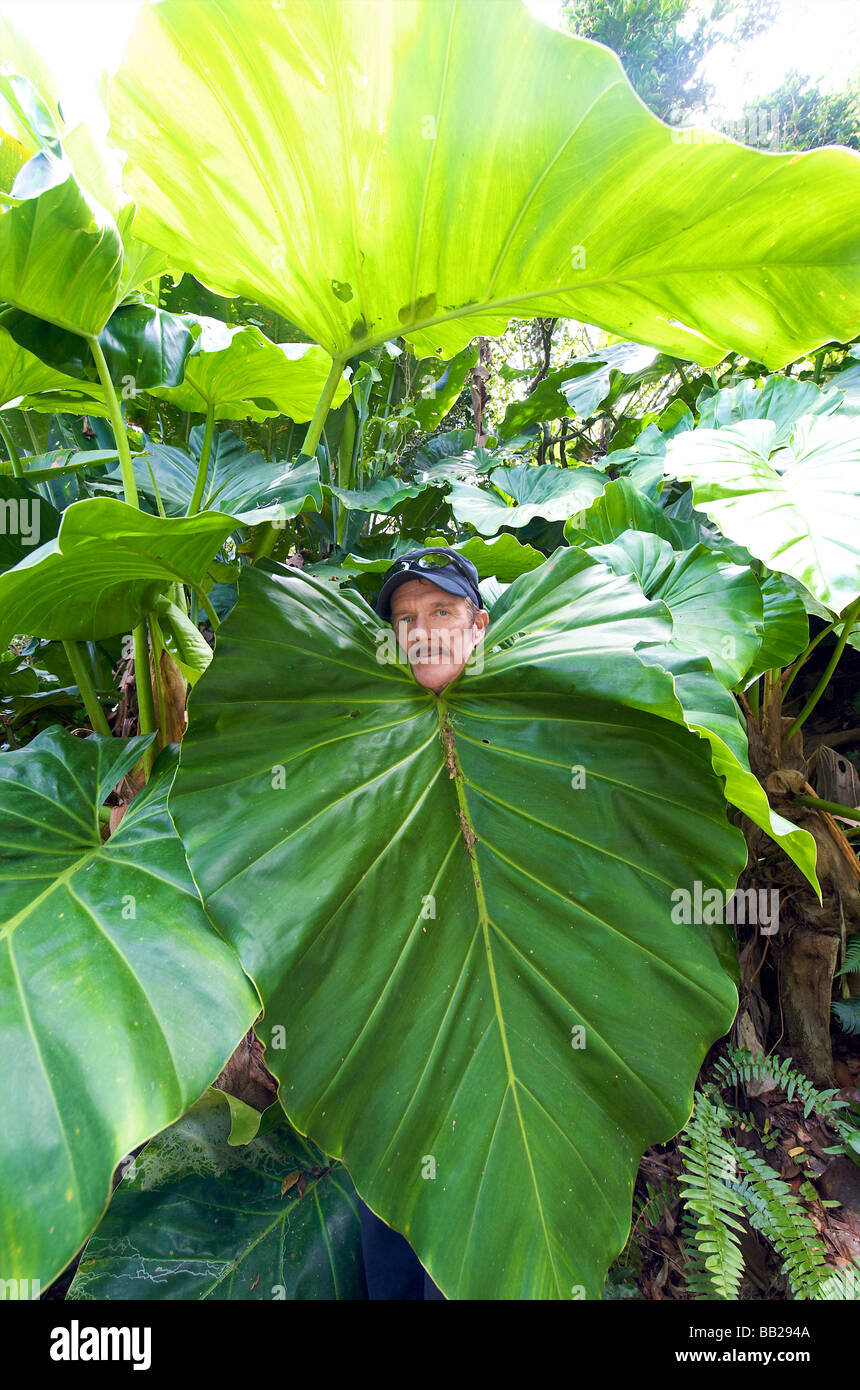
437	654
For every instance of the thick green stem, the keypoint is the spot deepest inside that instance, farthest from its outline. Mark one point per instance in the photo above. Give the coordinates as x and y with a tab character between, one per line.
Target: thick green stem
129	485
85	685
847	624
819	804
752	696
311	440
804	656
146	709
32	433
203	466
143	686
157	648
214	620
14	456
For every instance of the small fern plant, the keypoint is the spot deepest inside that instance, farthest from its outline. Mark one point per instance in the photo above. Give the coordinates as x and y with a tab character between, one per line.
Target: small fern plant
847	1009
724	1185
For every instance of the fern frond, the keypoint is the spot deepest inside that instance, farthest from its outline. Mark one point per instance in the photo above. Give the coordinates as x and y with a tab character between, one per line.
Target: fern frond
712	1207
658	1203
851	959
776	1211
847	1011
739	1065
842	1284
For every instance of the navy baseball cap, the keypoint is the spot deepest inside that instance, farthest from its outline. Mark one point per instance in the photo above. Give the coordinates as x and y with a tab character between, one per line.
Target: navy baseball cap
447	568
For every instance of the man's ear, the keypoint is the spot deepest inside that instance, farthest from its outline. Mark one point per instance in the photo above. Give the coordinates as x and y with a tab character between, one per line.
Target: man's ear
481	622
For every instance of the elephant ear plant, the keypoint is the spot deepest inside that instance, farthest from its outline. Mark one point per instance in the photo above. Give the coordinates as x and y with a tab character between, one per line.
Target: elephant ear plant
456	912
450	907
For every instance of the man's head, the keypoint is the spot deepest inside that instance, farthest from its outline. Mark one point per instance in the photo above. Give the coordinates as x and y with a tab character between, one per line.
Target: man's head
436	611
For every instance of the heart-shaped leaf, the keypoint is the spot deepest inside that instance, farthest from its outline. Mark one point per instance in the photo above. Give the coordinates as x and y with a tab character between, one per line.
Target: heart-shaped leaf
489	986
622	507
716	606
382	495
781	399
794	505
584	385
710	711
119	1002
105	569
504	557
239	480
143	346
243	375
23	376
521	493
437	385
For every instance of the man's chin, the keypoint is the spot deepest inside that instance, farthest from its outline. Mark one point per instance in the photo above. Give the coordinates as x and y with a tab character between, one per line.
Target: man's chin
434	675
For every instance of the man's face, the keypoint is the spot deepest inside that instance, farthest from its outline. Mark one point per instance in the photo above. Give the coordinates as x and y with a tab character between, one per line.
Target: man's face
435	631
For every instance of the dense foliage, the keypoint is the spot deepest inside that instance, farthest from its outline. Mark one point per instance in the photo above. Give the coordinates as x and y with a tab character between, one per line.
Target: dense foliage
454	922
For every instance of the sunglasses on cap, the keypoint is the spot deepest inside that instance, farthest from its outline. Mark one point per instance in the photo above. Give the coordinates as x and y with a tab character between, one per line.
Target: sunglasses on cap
440	560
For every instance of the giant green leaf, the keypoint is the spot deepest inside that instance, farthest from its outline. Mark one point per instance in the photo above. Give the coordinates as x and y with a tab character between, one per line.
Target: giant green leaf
22	57
59	464
60	251
622	507
272	152
119	1002
781	399
68	258
239	480
197	1218
242	374
105	569
433	904
710	710
642	463
785	628
452	455
717	614
716	607
437	385
519	494
380	495
793	503
614	371
143	346
22	374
